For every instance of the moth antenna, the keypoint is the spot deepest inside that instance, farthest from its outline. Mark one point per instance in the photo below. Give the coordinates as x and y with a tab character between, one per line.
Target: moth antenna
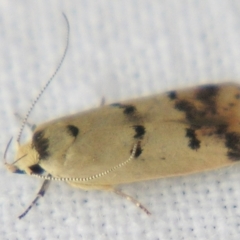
47	84
40	193
6	150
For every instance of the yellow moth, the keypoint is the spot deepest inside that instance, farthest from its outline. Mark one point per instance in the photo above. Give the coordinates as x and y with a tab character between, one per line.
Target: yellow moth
171	134
176	133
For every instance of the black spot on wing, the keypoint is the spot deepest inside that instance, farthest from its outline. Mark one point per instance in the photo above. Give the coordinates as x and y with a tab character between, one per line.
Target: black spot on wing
139	150
189	109
194	143
232	142
237	96
73	130
127	109
221	129
207	95
37	169
140	131
41	144
172	95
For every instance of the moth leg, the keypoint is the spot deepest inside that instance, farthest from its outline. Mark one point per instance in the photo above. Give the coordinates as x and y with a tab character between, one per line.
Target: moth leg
31	126
40	193
133	200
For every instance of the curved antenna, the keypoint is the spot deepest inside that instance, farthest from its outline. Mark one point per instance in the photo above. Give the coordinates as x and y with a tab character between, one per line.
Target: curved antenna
47	84
6	150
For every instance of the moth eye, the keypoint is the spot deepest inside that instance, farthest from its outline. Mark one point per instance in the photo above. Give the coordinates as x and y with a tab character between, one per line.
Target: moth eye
37	169
73	130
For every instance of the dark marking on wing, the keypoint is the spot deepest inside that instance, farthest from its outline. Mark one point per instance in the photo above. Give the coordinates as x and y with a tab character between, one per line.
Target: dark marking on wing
231	105
73	130
233	145
211	111
172	95
221	129
41	144
140	131
237	96
128	109
37	169
194	143
207	95
189	109
139	150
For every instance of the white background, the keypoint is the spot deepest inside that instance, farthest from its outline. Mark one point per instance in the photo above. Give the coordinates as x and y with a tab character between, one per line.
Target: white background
118	49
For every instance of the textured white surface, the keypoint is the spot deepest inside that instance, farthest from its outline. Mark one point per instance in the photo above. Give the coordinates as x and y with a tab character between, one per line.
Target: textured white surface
118	49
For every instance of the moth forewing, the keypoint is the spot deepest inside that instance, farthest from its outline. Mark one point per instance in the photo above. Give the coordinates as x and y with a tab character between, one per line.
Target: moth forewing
178	133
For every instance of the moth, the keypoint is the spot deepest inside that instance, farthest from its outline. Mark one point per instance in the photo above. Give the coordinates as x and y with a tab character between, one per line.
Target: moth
176	133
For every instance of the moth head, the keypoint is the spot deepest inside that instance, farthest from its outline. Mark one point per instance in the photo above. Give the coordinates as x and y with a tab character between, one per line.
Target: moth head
26	157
